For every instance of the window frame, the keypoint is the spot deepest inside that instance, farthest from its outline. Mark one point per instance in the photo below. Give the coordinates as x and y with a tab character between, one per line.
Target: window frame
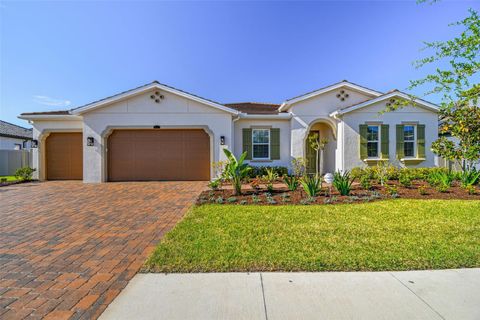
261	143
378	141
414	141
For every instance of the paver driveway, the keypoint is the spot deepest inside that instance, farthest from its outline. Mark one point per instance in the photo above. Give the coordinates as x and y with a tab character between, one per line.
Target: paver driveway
68	248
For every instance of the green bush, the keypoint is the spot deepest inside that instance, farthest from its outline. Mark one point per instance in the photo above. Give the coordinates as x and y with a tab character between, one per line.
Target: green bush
312	185
469	177
262	171
291	182
405	178
215	184
365	182
24	174
342	182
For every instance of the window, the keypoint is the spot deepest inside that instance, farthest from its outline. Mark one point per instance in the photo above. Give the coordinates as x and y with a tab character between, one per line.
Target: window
409	141
25	144
17	146
261	143
373	141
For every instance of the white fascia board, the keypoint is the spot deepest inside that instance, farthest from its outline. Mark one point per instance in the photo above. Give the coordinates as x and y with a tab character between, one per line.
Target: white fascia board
352	86
146	88
421	103
66	117
281	116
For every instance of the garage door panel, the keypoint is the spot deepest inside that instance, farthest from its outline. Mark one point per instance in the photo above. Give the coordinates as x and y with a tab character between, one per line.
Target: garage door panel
64	156
159	155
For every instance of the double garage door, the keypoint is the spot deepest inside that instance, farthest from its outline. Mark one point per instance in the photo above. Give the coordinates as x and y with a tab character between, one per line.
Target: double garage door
142	155
135	155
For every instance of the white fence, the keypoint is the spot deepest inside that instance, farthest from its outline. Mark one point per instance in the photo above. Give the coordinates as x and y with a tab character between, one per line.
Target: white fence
11	160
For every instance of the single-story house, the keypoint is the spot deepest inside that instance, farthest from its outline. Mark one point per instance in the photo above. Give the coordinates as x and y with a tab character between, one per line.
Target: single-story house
13	137
157	132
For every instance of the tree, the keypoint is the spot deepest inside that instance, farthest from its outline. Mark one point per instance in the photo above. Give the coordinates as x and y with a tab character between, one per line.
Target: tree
459	109
318	145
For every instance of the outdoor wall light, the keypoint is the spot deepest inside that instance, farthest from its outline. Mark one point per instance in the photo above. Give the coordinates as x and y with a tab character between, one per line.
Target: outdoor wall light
222	140
156	126
34	143
90	141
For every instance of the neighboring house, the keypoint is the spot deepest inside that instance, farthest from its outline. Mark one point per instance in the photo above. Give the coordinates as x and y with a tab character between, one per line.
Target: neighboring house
13	137
156	132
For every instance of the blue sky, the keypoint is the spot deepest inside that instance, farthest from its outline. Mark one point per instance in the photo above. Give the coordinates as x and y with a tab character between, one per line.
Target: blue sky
58	55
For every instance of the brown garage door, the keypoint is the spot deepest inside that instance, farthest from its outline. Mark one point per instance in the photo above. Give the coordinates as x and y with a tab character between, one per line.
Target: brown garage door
64	156
163	154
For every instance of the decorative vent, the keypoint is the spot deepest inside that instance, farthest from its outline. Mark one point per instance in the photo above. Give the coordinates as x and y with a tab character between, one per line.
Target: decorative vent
157	96
390	102
342	95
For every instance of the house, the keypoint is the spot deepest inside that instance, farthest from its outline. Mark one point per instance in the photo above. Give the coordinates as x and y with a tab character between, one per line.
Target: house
13	137
157	132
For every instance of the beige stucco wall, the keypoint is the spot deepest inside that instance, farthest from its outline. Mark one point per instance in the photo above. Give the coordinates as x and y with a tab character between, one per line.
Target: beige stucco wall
351	137
308	112
142	112
283	125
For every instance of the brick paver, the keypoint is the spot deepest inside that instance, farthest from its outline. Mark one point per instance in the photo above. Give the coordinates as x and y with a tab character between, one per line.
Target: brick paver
68	248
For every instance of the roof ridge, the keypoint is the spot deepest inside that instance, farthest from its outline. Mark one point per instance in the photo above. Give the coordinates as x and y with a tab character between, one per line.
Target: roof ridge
16	125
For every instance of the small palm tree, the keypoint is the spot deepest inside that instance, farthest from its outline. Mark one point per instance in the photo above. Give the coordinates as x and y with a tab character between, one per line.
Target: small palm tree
236	171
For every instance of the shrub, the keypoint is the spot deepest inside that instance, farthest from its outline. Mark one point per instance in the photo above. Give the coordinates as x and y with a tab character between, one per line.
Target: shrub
365	182
441	180
405	179
342	182
3	180
285	197
24	174
312	185
422	190
291	182
358	173
256	199
470	189
330	200
243	202
236	171
299	167
469	177
392	190
215	184
270	178
219	200
307	200
384	172
262	171
231	199
269	198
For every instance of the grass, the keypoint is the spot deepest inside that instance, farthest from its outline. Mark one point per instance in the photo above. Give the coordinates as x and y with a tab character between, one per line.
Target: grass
385	235
9	178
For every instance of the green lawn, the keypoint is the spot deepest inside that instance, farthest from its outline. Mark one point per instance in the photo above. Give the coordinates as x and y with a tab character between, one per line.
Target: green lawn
9	178
386	235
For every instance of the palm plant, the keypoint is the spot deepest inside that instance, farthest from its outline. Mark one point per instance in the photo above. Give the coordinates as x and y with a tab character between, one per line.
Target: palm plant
236	171
291	182
312	185
342	182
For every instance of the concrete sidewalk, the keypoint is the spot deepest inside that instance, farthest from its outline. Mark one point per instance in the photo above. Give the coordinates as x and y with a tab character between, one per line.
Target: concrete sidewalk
444	294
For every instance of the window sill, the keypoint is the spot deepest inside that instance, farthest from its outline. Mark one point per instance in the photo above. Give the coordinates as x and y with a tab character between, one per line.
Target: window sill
375	159
412	160
261	160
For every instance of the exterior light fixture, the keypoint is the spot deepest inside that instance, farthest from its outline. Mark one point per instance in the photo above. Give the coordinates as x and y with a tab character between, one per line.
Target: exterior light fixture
222	140
156	126
34	143
90	141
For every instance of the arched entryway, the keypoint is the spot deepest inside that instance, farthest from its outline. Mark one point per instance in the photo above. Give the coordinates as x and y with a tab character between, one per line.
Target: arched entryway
325	160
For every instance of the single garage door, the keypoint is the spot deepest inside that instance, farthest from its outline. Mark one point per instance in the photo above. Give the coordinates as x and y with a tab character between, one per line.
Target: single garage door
161	154
64	156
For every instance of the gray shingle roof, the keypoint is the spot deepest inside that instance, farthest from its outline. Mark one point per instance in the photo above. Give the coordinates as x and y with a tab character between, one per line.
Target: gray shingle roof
254	107
12	130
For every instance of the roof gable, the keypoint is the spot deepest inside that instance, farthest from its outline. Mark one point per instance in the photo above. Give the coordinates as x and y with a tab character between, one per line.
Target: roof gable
394	94
343	84
144	89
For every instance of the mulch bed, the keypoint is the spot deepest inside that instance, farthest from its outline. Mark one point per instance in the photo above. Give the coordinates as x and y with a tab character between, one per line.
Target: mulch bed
282	196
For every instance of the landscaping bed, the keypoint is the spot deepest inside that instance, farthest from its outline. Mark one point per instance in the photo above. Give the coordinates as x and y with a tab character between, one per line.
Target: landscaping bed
395	234
281	195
